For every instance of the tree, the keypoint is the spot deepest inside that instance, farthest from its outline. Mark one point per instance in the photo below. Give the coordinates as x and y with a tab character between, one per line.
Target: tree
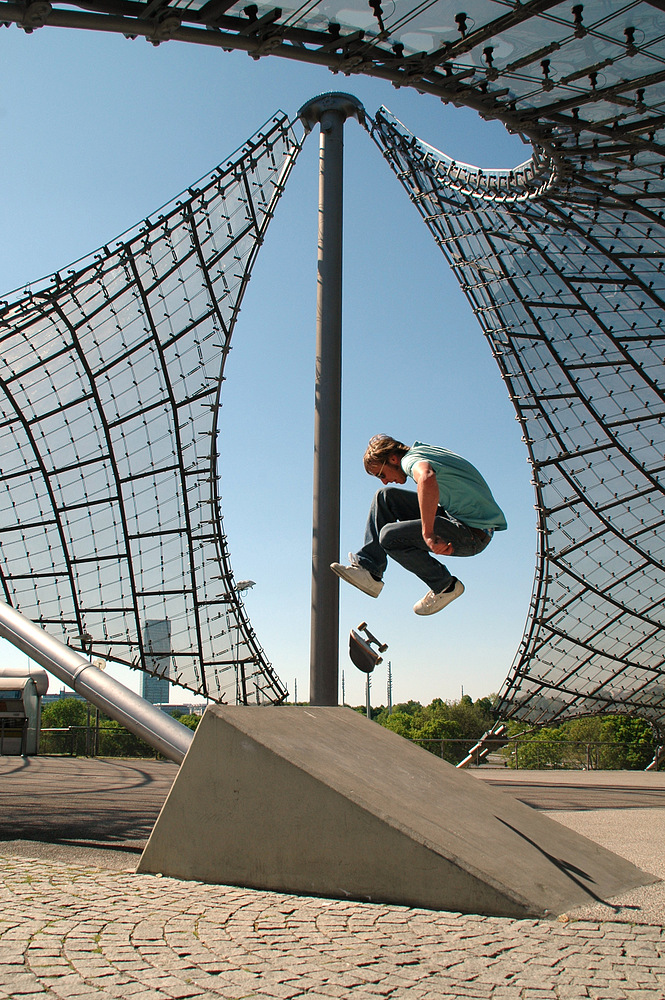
64	712
116	741
191	721
71	714
399	722
437	735
611	742
447	729
410	707
538	750
629	743
80	718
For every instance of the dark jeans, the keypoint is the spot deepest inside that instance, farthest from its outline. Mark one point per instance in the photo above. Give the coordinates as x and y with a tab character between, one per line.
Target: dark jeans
394	529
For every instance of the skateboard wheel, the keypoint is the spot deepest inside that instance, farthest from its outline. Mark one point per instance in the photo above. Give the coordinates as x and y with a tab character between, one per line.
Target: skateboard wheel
362	625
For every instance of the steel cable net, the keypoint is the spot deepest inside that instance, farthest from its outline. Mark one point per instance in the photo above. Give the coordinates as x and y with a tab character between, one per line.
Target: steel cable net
110	388
562	262
560	259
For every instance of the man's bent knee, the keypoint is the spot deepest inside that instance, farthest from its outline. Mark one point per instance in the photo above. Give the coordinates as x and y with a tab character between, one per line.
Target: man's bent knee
397	536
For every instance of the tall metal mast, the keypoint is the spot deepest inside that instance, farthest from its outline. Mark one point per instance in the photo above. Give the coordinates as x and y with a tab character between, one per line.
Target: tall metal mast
330	111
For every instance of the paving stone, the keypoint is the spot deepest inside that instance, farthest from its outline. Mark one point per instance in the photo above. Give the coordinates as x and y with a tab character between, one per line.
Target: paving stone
94	934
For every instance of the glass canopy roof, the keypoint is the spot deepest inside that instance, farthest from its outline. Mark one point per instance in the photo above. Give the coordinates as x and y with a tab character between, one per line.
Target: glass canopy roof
562	260
111	375
535	65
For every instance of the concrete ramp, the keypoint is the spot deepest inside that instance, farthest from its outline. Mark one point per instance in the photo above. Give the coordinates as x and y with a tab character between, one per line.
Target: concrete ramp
319	801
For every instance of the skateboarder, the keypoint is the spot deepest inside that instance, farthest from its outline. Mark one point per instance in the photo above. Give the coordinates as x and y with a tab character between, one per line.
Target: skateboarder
453	513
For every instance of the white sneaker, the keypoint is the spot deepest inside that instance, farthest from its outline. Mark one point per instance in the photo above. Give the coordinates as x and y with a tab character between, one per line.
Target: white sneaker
431	602
358	576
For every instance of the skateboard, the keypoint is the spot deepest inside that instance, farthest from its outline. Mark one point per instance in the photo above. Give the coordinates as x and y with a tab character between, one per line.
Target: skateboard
361	649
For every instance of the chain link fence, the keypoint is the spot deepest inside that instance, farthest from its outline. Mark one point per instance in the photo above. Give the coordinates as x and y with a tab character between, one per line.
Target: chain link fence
94	741
562	755
527	754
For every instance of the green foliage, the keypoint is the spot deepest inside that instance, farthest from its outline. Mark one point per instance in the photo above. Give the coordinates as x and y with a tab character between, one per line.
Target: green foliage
116	741
65	712
610	742
400	722
380	714
447	729
633	743
410	707
435	735
191	721
539	750
84	735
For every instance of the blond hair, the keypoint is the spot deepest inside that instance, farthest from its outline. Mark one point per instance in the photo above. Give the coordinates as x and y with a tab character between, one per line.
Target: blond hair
379	450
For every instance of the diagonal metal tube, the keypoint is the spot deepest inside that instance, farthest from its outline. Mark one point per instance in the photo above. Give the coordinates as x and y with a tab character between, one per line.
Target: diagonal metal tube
162	732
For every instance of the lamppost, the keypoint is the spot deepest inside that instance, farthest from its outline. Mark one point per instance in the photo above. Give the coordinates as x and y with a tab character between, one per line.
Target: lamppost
330	111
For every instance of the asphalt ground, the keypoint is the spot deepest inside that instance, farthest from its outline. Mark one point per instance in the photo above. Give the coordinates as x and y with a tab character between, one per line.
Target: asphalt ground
575	791
76	922
71	801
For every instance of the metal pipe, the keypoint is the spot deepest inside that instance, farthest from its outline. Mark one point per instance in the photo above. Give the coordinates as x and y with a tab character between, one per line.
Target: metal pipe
330	111
162	732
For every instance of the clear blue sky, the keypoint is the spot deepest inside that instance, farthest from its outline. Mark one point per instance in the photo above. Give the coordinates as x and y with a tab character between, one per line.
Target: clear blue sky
98	132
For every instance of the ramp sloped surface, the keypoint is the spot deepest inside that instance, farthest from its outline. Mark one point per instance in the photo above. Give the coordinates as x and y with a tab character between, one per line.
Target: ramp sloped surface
319	801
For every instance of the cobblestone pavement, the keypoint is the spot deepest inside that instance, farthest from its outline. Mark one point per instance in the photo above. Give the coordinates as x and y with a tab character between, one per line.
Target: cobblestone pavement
76	932
77	924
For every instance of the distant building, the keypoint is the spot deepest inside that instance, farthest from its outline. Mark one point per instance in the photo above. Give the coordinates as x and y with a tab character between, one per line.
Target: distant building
155	689
194	708
63	693
157	646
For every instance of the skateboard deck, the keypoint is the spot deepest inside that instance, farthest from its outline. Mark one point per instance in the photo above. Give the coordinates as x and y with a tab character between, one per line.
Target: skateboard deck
361	649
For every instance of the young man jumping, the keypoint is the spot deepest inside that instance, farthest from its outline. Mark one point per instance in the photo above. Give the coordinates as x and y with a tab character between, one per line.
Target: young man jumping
453	513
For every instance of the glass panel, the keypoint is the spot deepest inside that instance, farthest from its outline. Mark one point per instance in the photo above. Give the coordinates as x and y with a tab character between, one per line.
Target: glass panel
570	293
111	518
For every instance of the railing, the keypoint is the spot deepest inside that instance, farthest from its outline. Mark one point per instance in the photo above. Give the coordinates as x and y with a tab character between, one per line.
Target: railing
454	750
573	755
521	753
534	754
94	741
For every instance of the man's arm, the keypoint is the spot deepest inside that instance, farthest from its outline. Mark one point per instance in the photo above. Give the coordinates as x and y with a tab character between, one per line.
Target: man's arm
428	501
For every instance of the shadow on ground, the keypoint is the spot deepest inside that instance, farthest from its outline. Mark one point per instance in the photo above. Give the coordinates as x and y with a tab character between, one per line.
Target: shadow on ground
81	801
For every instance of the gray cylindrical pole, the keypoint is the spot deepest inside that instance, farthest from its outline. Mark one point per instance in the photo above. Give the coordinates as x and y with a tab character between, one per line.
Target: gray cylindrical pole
330	111
160	731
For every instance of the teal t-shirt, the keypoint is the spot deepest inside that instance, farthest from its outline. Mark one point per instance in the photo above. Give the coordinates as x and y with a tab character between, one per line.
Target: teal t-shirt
462	490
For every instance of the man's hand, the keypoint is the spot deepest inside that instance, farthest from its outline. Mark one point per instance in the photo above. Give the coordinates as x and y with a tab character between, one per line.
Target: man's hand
438	546
428	501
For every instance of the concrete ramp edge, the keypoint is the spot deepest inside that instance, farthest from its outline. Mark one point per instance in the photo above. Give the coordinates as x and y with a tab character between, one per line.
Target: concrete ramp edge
323	802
